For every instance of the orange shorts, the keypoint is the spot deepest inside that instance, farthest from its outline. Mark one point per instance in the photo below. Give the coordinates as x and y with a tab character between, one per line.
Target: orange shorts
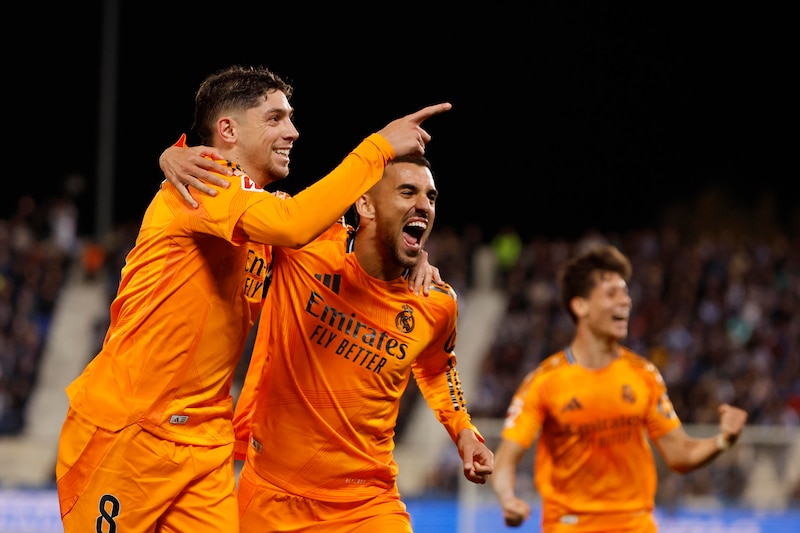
555	521
265	507
132	481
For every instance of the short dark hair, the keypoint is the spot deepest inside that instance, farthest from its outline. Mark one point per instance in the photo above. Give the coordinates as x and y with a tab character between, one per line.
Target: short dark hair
234	88
419	160
580	274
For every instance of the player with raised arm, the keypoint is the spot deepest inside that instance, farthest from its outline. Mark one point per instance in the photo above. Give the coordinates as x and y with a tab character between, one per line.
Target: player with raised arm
147	444
592	407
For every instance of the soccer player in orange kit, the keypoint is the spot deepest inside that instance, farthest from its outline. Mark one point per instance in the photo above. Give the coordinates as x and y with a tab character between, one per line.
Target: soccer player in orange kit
333	355
592	407
147	444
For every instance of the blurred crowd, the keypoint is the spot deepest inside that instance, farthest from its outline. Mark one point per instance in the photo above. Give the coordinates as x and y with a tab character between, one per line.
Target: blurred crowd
37	245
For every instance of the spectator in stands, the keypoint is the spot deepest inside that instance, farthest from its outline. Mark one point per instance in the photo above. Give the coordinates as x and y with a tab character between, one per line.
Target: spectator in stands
147	443
591	406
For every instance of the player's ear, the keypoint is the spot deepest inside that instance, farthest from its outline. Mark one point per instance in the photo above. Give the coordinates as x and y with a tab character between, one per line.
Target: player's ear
579	306
364	207
226	129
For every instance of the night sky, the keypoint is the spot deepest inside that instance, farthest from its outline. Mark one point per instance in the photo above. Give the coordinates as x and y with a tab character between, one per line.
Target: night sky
565	115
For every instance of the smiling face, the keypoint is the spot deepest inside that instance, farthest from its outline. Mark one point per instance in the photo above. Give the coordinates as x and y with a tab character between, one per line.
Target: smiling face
607	309
397	216
261	138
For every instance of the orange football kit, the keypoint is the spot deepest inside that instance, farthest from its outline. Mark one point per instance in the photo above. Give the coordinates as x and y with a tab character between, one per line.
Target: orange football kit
594	467
334	353
149	426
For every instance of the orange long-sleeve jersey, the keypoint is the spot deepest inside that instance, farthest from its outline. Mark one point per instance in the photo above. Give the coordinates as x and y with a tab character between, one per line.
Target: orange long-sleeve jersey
592	455
334	353
190	291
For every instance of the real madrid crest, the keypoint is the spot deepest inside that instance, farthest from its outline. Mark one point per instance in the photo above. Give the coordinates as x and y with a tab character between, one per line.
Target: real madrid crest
405	319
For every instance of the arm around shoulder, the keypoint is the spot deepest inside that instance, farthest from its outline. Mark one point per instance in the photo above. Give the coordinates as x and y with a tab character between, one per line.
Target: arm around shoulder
184	166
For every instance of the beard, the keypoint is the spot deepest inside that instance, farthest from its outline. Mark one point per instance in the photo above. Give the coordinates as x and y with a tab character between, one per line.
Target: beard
394	250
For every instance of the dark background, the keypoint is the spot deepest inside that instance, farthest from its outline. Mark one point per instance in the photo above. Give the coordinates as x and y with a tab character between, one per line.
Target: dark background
566	115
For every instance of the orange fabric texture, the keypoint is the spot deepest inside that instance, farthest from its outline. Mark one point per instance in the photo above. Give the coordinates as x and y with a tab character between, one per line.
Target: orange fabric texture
190	292
338	349
93	498
593	460
264	507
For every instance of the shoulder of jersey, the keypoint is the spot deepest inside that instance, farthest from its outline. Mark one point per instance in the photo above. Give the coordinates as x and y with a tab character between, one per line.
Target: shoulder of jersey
551	364
444	288
632	358
338	233
639	362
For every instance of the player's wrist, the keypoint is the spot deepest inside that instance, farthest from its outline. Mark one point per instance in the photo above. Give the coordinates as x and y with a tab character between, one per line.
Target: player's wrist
724	442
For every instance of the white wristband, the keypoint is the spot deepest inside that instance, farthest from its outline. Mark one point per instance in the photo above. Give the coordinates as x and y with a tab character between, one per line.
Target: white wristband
723	443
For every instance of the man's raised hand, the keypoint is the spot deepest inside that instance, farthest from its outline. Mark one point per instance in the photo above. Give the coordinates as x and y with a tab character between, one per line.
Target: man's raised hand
406	134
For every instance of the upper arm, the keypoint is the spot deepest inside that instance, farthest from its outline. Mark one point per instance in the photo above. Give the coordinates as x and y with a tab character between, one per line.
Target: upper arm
671	445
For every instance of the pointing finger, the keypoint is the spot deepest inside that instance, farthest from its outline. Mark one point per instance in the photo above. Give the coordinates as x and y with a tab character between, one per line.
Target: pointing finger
427	112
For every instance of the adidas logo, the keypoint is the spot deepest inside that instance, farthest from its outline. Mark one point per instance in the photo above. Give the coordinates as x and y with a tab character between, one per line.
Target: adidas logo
332	281
573	405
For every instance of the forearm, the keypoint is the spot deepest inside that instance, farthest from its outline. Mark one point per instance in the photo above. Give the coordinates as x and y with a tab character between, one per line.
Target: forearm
504	478
300	219
333	195
504	481
441	391
698	453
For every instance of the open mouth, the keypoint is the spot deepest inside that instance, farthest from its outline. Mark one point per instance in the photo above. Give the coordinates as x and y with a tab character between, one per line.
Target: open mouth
413	233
